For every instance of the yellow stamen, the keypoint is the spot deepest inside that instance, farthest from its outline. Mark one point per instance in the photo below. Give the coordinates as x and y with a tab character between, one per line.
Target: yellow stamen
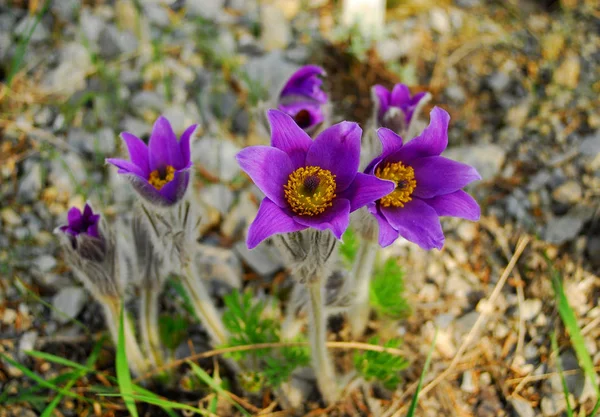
158	178
310	190
404	177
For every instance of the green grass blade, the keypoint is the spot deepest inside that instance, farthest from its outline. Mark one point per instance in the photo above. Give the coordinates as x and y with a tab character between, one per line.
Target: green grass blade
562	375
415	399
570	321
123	375
58	360
204	377
28	393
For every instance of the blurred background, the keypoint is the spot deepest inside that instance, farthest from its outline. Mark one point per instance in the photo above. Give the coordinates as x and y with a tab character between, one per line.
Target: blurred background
520	79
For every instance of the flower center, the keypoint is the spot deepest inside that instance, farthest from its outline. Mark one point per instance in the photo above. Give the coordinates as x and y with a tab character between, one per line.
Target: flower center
310	190
158	178
404	177
302	118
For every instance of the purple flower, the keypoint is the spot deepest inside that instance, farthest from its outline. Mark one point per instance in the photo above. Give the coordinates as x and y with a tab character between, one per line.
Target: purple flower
427	185
308	183
302	97
83	235
78	222
395	109
160	172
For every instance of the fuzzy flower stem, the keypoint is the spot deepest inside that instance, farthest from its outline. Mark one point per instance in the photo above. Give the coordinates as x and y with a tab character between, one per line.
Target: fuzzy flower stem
112	309
361	274
322	364
203	305
150	332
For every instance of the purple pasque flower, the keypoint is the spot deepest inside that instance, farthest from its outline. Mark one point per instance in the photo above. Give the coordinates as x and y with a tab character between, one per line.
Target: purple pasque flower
308	183
79	222
160	172
83	235
302	97
427	185
395	109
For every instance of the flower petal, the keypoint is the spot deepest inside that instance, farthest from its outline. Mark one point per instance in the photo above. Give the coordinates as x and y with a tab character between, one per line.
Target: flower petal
436	175
432	142
417	222
147	191
306	82
337	149
381	98
163	146
289	137
390	141
269	168
270	220
138	151
127	167
387	234
184	144
456	204
175	189
74	218
336	218
400	96
366	189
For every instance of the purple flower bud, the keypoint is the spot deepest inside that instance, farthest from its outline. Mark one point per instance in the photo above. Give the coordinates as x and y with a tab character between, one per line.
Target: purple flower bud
396	108
308	184
159	172
427	185
82	231
302	97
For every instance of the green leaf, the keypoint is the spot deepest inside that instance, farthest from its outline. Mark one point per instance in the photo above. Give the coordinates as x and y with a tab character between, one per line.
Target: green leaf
415	398
173	330
381	366
349	247
123	375
278	368
386	293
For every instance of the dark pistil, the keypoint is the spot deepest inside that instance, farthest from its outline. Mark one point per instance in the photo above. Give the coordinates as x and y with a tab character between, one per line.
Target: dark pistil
311	183
302	119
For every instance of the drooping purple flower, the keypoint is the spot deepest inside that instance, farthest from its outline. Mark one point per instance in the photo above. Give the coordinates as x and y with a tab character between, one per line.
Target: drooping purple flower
159	172
427	185
82	233
308	183
302	97
396	108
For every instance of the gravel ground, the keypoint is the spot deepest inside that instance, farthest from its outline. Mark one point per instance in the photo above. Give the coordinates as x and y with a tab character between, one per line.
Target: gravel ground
521	81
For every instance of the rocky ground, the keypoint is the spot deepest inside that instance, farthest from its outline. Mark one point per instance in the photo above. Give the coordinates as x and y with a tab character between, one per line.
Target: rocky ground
521	81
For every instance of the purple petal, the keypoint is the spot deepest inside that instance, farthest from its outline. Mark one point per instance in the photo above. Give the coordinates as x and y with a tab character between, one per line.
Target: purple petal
306	82
456	204
88	213
370	169
365	189
163	146
416	222
436	175
287	136
138	151
270	220
382	96
127	167
184	144
432	142
390	141
387	234
336	218
400	96
305	115
269	168
337	149
148	192
175	189
74	218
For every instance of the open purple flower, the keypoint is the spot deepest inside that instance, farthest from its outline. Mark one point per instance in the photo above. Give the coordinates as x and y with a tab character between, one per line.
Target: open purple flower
308	183
302	97
395	109
427	185
160	172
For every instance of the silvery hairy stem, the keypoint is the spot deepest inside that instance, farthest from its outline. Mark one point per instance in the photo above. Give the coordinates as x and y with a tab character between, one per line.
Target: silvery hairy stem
310	254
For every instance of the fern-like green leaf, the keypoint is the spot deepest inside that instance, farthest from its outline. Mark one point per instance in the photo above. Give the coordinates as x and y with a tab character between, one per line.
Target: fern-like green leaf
349	247
387	291
381	366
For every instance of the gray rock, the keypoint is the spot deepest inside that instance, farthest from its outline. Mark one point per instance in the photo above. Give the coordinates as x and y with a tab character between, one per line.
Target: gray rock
67	173
456	93
135	126
43	117
467	384
498	82
70	302
276	32
81	140
568	193
563	229
147	100
539	180
593	250
486	158
553	404
217	156
522	407
222	266
65	9
70	75
91	26
31	183
5	43
27	342
106	141
157	14
218	196
531	308
10	217
270	70
44	263
113	42
41	32
208	9
465	323
264	260
590	146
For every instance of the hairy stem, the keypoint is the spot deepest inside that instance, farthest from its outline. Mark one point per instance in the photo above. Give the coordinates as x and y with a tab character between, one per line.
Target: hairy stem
112	310
322	364
150	332
361	274
203	305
